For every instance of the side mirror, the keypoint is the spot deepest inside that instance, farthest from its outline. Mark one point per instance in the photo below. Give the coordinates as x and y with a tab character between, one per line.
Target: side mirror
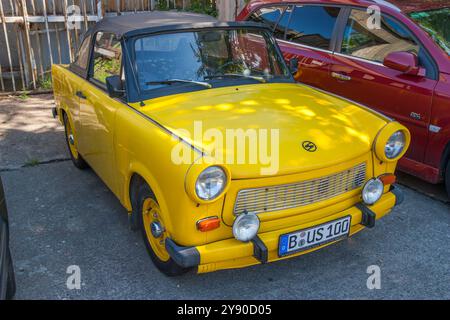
405	62
293	65
114	85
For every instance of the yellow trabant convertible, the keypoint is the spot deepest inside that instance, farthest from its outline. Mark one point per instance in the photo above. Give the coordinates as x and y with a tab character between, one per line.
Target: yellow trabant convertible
220	158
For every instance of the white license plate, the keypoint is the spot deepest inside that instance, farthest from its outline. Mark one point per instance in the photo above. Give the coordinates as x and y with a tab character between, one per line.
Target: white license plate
313	237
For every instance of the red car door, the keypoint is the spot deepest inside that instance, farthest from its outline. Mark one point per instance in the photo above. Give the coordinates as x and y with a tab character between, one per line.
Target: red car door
310	42
358	73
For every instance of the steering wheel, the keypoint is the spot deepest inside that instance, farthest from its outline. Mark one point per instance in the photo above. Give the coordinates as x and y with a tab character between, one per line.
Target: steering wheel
229	63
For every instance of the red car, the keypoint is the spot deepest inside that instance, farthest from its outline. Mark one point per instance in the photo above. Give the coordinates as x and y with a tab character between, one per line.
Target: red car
394	58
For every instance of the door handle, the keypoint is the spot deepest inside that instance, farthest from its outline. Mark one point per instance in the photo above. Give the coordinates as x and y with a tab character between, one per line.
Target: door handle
341	76
80	94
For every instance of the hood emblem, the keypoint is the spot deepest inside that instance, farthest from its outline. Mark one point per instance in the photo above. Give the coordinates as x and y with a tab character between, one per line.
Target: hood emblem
309	146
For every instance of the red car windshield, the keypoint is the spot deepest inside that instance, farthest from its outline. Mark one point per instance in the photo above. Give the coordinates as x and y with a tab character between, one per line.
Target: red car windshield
437	24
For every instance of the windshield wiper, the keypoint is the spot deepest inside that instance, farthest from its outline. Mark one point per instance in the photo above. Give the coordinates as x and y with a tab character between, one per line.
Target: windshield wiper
171	81
260	79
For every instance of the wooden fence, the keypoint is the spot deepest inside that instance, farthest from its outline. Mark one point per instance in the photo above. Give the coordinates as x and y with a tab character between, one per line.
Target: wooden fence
37	33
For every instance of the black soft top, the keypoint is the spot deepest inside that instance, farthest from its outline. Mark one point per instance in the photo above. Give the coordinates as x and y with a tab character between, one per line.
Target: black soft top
130	25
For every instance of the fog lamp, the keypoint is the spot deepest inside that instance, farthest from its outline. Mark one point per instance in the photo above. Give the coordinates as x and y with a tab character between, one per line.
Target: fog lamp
372	191
246	227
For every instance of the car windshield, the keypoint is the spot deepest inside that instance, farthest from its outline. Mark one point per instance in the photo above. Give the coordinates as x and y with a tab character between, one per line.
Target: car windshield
205	58
437	24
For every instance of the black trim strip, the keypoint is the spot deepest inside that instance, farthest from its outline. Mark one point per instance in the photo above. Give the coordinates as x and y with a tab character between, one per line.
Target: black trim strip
186	257
399	196
260	251
368	216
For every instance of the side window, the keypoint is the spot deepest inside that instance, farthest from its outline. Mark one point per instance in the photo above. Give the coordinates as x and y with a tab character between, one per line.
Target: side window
271	17
375	43
312	25
107	57
280	29
268	16
82	58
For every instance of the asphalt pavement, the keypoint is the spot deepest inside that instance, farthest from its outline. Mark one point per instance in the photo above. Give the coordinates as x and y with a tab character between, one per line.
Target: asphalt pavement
61	216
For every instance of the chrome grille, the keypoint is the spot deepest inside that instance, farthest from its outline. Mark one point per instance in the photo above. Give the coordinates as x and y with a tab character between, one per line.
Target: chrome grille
299	194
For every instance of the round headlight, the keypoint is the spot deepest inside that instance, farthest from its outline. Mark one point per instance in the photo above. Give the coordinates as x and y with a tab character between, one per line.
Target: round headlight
246	227
392	142
211	183
372	191
395	145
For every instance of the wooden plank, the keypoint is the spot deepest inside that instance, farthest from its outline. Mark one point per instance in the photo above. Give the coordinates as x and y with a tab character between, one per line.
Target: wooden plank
75	30
50	18
58	41
28	43
38	44
69	40
22	55
50	53
19	51
100	9
8	49
1	78
85	15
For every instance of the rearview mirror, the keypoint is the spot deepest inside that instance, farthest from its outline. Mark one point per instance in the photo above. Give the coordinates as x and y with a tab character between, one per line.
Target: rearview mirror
114	85
405	62
293	65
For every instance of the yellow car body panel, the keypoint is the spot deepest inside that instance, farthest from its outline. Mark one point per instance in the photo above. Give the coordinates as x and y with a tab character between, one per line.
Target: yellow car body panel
121	140
299	112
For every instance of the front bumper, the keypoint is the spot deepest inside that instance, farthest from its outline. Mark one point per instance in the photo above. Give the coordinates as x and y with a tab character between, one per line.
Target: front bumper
231	253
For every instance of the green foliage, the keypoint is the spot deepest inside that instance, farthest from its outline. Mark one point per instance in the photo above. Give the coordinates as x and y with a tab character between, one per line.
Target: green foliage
24	95
197	6
45	83
205	7
437	24
104	68
32	163
161	5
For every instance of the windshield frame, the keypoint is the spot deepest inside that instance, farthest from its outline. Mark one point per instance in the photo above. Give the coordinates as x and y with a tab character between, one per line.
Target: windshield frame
138	94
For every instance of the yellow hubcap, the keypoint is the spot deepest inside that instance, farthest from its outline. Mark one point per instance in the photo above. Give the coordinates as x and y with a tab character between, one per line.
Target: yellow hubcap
70	136
151	213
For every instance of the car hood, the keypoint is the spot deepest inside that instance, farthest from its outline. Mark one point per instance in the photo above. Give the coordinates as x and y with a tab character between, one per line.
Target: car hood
338	129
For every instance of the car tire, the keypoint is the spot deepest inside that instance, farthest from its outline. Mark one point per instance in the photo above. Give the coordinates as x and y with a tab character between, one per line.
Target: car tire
148	209
447	178
11	283
75	156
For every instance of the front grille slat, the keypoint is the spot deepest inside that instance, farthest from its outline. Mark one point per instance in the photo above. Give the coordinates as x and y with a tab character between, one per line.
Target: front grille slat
288	196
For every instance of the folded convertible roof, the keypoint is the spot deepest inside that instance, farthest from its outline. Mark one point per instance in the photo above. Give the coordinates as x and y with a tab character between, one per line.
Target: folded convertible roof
128	25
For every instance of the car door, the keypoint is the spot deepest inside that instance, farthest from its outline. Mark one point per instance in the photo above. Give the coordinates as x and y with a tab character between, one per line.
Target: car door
74	82
358	73
308	37
98	109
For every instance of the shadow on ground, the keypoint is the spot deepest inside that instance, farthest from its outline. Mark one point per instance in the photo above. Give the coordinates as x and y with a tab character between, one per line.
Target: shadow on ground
28	132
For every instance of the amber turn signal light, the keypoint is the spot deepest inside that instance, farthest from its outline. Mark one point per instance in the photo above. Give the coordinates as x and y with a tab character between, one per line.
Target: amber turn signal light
388	179
208	224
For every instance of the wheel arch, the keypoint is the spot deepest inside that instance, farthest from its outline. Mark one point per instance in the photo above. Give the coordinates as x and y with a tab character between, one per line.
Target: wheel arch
137	176
61	114
445	158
